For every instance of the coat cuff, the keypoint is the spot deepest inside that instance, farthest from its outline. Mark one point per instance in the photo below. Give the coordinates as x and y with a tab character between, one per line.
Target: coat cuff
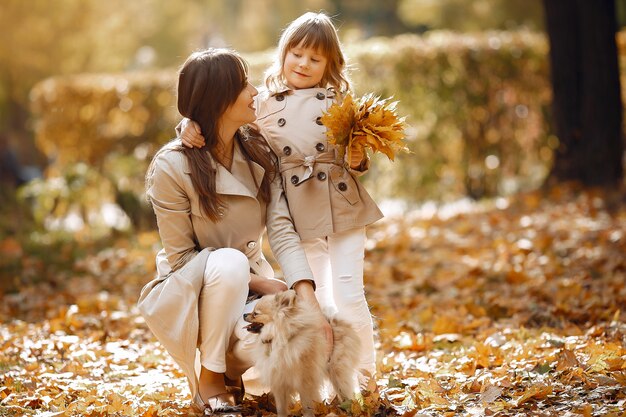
294	275
361	169
293	284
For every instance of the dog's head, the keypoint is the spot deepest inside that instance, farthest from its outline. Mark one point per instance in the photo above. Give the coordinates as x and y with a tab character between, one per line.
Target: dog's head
269	309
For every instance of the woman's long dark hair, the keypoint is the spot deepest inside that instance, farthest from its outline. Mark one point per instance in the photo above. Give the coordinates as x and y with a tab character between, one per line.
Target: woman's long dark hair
208	83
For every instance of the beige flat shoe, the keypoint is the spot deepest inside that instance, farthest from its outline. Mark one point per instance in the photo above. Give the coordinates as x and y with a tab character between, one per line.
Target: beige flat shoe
222	405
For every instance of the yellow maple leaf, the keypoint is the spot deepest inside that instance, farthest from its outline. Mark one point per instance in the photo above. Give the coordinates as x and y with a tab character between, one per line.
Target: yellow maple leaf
537	391
339	120
368	122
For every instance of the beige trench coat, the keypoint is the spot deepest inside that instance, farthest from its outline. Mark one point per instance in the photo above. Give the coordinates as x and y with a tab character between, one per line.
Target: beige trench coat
169	303
324	196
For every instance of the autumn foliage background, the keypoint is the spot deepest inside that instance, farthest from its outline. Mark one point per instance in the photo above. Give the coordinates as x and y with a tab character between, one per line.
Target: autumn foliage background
493	294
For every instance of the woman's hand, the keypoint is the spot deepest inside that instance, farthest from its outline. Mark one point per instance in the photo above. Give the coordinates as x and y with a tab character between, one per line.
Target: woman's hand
306	293
191	134
262	285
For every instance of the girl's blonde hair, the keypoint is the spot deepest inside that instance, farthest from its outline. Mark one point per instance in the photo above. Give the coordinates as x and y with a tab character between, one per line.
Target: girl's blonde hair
314	30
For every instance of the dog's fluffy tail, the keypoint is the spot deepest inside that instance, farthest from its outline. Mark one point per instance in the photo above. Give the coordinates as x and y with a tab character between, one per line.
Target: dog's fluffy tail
344	359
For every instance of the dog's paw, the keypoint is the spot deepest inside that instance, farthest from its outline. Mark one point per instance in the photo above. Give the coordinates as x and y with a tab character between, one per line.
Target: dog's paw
254	327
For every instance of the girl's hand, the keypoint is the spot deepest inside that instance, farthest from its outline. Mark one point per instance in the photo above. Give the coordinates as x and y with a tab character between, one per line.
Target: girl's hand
262	285
357	155
191	135
306	293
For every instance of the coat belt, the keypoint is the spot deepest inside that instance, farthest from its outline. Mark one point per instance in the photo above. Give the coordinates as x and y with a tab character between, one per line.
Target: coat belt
296	160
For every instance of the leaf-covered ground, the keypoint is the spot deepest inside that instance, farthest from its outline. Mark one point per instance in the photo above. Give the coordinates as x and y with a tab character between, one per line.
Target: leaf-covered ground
509	308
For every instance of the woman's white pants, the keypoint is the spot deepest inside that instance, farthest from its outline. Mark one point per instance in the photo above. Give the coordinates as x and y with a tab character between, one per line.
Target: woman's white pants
223	342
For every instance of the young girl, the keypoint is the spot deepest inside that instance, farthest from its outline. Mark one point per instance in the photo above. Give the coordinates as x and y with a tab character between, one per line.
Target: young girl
329	206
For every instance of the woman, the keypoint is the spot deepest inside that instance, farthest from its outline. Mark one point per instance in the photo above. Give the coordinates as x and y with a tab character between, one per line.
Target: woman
212	206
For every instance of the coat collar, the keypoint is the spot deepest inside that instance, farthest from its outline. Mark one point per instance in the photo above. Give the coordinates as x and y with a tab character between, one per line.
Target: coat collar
328	92
239	180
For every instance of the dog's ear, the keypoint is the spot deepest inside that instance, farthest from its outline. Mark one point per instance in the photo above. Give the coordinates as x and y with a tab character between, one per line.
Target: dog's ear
286	298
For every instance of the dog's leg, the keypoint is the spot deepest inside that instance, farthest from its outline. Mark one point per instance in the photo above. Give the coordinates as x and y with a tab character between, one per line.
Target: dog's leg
308	405
343	362
310	393
282	403
344	382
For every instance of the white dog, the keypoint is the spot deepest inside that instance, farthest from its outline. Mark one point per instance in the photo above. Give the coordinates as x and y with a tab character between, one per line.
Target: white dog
291	355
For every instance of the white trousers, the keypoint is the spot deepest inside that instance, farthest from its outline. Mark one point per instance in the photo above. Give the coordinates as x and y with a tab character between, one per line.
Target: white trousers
223	342
337	265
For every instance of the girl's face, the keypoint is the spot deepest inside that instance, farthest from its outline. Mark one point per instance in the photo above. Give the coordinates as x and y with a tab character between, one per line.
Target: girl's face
304	67
242	110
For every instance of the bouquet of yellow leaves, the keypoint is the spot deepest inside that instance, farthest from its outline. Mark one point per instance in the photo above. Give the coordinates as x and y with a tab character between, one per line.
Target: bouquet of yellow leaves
368	122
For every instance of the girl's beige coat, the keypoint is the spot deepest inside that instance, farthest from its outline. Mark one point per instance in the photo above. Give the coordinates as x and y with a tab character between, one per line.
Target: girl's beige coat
169	303
323	194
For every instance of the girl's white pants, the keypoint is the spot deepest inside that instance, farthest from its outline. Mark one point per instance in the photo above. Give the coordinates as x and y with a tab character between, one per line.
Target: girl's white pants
337	265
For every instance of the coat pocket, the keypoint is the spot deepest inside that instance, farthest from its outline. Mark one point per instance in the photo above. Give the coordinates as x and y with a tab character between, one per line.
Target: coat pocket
344	184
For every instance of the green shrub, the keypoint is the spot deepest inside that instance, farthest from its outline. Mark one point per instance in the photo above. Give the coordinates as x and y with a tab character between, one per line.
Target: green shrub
476	106
85	117
99	132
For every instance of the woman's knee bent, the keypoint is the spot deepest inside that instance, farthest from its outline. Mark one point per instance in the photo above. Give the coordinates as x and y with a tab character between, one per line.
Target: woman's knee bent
228	268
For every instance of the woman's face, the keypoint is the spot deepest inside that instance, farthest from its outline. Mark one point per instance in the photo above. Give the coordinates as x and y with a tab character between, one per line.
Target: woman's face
304	67
242	111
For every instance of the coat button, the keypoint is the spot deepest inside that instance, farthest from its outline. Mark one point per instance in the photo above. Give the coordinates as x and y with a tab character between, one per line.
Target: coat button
321	176
294	179
251	244
280	97
320	96
320	147
287	150
342	186
319	121
281	122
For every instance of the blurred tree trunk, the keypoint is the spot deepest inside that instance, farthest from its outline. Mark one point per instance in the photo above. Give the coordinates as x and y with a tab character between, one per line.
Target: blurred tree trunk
585	78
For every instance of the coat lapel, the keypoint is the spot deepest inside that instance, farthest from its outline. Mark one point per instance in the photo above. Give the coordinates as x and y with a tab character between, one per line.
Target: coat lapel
239	180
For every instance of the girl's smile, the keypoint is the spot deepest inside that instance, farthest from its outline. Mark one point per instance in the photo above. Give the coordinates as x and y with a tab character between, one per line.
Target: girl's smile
304	67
